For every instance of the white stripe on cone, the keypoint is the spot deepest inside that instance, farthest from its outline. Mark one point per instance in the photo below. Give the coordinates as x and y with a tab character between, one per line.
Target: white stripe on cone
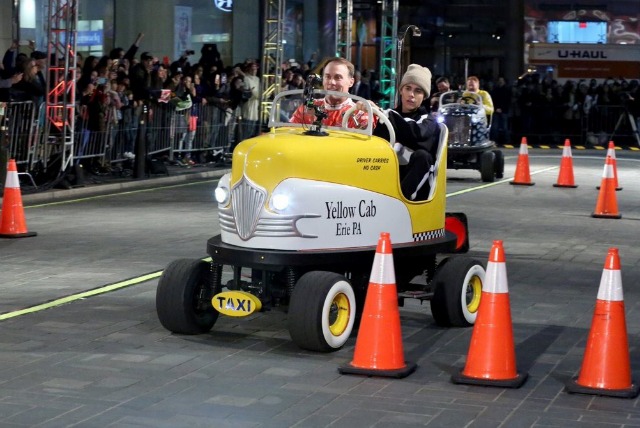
611	152
495	279
610	286
382	271
566	152
12	180
524	150
608	171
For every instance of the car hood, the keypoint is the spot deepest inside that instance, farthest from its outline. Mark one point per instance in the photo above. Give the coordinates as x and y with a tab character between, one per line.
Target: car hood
339	157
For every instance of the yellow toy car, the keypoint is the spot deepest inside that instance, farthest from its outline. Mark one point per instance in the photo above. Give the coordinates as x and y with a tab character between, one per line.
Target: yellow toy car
300	215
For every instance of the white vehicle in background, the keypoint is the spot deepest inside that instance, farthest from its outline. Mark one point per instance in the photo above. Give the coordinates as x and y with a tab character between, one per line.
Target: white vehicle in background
469	143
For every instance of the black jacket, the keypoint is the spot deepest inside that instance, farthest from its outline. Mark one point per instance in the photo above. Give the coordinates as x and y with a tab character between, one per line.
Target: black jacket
416	130
140	80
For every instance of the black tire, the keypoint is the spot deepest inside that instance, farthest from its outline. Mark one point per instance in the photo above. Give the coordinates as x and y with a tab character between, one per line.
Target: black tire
499	164
458	287
183	297
322	311
487	160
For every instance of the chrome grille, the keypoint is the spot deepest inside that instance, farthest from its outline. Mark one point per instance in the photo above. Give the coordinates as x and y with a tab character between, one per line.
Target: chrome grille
247	200
459	130
279	226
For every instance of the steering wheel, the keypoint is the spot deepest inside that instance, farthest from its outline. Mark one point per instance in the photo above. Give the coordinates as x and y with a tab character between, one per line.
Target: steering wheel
381	118
467	99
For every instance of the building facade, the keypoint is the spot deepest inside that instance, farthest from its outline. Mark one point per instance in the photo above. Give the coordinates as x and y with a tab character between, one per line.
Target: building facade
483	37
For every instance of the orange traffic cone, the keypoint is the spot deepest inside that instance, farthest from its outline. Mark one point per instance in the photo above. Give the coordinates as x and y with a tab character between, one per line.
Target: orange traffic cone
491	360
611	151
607	205
379	350
565	177
12	222
606	368
522	176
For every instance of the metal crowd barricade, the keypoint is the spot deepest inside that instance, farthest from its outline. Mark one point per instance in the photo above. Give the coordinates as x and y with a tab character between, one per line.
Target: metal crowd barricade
181	134
213	130
611	122
22	132
594	126
209	130
204	128
123	137
93	135
160	128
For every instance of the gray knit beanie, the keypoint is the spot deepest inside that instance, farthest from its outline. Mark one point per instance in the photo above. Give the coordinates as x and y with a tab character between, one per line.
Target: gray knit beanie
418	75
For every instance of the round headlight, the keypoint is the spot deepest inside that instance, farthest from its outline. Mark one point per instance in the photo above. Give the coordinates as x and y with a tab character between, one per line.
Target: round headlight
222	195
280	202
440	119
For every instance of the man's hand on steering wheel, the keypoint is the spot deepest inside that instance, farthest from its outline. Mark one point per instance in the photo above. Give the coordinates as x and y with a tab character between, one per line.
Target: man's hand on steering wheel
466	99
377	112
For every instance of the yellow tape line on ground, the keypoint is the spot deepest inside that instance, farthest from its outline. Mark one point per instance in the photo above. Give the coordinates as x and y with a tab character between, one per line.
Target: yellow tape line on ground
495	183
78	296
85	294
116	193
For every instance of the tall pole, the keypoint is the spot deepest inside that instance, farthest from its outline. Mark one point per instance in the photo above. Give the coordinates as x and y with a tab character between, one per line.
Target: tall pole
272	55
514	58
466	68
401	63
344	22
388	52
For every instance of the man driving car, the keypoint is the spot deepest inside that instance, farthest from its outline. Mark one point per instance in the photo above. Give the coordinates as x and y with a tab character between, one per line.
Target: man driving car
337	75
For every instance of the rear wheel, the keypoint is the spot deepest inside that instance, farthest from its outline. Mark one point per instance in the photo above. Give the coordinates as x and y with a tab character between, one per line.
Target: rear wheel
183	297
499	163
322	311
487	160
458	288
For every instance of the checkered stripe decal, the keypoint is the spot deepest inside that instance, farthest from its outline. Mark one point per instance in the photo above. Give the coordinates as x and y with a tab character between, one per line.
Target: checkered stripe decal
431	234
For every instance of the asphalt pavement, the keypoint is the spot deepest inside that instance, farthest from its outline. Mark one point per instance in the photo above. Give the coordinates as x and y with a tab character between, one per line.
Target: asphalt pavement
81	344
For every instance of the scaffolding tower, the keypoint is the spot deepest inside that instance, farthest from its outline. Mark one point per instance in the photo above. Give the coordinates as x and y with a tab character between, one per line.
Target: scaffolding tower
272	55
344	21
388	52
61	80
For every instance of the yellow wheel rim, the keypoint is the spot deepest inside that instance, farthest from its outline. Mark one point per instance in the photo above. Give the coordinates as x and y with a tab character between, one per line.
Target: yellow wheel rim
339	314
474	287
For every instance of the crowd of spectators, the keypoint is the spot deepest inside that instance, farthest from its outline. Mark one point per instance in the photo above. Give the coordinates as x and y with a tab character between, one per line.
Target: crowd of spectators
541	108
22	76
119	84
535	106
124	81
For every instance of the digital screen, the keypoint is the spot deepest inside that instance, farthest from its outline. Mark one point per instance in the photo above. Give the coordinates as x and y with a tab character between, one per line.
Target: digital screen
576	32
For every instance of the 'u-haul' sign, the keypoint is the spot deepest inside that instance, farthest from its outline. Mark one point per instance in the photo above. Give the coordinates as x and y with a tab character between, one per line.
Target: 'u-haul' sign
587	61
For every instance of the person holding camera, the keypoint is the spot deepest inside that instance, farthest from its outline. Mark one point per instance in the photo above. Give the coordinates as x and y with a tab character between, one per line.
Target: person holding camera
338	76
29	87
